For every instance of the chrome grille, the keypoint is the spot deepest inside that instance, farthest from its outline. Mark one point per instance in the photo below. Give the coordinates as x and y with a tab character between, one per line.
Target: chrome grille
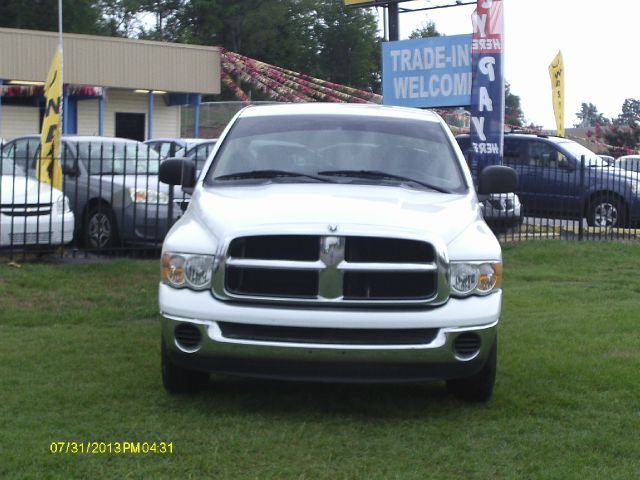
26	210
331	270
30	238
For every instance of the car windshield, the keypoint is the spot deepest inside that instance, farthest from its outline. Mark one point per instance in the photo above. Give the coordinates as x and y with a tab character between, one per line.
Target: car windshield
338	148
8	167
577	151
118	158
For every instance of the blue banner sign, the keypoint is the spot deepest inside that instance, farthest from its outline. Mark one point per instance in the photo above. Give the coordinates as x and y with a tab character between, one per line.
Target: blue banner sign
487	97
427	72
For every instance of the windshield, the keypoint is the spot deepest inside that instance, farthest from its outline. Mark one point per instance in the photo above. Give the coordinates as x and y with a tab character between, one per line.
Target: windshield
8	167
341	148
577	151
118	158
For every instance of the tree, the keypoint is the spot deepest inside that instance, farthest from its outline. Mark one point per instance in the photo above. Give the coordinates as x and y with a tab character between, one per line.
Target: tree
164	14
624	133
321	38
590	117
428	29
348	46
625	138
273	31
630	113
512	111
79	16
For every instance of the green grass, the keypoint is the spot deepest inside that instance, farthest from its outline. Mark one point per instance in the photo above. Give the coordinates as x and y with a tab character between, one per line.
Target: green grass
79	361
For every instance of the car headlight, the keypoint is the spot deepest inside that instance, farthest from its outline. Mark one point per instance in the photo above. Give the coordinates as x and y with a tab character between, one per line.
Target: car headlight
142	195
187	271
62	204
475	278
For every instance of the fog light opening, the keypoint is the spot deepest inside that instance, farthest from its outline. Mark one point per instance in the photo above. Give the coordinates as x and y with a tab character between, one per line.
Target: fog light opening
188	337
466	346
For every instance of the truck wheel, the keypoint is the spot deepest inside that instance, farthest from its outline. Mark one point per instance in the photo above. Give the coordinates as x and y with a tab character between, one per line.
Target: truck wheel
606	211
100	228
477	387
176	379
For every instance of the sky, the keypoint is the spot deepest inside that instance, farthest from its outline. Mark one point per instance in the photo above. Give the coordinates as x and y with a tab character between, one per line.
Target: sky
598	41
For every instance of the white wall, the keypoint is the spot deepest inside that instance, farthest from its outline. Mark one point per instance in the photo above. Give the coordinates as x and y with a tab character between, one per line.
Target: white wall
16	121
166	120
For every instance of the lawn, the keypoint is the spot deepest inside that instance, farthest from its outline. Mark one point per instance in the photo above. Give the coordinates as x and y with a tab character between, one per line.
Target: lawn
79	362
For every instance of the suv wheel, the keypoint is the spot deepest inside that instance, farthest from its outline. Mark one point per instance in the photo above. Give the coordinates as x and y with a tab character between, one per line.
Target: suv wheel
477	387
176	379
606	211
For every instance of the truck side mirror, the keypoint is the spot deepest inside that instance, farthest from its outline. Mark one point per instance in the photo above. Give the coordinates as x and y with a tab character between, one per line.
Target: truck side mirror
178	171
497	179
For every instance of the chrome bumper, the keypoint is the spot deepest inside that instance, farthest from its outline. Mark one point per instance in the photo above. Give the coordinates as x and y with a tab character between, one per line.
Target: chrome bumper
318	362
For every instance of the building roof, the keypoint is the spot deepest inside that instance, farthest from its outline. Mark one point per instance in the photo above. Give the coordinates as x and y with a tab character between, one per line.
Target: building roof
111	62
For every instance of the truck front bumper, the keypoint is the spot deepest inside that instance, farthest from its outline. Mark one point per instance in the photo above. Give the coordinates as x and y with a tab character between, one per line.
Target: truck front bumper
464	330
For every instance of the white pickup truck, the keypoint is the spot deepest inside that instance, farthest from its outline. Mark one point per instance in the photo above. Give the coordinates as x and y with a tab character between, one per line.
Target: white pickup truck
337	243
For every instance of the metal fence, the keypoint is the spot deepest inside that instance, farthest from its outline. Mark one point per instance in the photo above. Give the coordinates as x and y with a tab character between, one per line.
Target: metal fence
569	199
111	202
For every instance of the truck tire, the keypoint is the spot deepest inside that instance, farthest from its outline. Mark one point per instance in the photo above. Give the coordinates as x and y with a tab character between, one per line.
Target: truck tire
477	387
176	379
606	211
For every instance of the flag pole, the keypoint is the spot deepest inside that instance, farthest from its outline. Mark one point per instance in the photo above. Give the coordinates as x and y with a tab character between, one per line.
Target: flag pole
60	46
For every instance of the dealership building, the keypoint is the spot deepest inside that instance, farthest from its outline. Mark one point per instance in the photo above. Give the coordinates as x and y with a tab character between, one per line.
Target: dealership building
112	86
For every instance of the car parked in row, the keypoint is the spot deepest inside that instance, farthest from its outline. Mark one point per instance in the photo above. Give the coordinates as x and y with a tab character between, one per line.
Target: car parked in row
628	162
171	147
198	149
112	185
560	178
608	159
31	212
501	211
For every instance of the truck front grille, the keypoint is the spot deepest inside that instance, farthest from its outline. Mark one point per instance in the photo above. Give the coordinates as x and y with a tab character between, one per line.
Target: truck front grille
330	270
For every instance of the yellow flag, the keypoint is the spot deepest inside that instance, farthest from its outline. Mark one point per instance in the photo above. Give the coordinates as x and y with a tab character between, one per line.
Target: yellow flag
556	72
48	168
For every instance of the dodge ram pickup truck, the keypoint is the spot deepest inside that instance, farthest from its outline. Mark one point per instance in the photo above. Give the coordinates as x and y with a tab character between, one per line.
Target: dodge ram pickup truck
332	242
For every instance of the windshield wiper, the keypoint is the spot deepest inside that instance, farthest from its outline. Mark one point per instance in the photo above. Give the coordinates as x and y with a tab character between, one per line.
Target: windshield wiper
268	174
377	174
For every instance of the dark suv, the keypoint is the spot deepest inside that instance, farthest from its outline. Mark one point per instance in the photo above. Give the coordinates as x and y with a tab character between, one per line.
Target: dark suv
558	177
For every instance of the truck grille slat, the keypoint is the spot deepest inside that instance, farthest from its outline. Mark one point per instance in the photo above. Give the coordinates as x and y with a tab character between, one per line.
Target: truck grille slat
388	285
327	336
330	270
272	282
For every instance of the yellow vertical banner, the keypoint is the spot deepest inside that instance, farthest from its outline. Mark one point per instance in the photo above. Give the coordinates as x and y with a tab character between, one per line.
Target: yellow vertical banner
556	72
48	168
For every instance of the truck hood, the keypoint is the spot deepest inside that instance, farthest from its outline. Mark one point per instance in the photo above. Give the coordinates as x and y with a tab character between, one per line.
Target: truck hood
350	209
22	189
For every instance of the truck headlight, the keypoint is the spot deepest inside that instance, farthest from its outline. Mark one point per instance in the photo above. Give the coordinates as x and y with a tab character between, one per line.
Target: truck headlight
142	195
187	271
475	278
62	204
